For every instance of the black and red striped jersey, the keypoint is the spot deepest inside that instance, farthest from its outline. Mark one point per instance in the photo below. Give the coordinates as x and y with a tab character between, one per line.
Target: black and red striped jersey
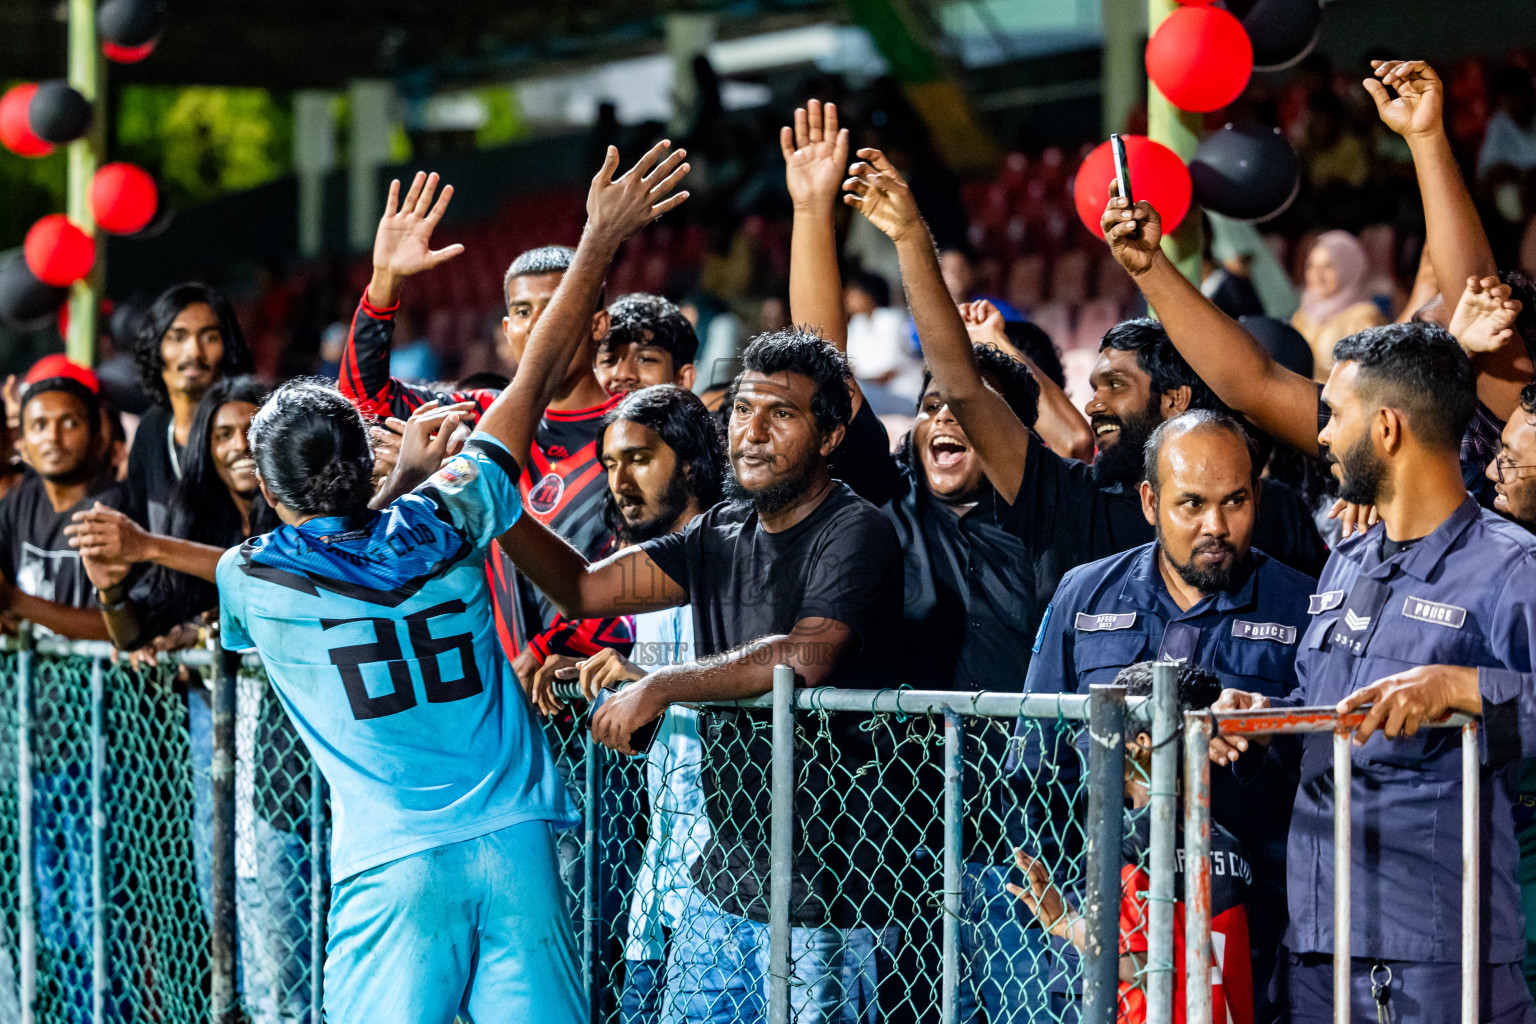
563	485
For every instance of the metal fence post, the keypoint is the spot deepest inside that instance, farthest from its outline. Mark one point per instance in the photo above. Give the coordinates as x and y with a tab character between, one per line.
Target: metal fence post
1106	833
27	891
1471	878
1341	866
99	966
1197	869
222	997
1164	840
954	808
319	872
781	842
590	898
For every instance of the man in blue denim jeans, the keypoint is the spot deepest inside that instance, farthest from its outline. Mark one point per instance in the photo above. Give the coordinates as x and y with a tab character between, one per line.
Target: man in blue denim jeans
795	570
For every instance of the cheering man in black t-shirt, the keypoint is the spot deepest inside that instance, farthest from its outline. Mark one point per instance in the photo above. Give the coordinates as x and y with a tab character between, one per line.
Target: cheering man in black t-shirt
63	441
794	569
188	340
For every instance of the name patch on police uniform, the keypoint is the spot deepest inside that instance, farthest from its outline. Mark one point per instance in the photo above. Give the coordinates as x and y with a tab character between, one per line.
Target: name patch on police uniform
1435	612
1324	602
1101	623
1278	632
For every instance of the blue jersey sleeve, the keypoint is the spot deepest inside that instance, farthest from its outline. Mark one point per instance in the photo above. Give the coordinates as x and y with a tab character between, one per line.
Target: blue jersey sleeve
476	491
232	632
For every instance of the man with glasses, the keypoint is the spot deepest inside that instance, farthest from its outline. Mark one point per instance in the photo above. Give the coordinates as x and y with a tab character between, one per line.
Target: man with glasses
1513	472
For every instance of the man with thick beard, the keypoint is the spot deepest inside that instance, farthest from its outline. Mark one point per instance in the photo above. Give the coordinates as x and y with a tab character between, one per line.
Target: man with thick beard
1077	514
794	569
1199	594
1439	583
665	461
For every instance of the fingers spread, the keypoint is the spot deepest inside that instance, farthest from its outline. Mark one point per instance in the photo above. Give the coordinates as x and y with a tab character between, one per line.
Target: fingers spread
652	155
441	208
414	192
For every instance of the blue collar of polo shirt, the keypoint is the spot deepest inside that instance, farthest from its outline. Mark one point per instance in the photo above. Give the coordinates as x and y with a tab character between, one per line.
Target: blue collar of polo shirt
1144	584
1420	560
325	529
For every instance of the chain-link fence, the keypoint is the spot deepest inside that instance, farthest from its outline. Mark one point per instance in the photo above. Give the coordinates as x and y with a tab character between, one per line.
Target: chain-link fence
820	854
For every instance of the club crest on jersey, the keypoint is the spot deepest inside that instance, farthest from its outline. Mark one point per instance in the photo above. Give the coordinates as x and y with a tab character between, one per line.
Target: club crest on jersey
455	474
1434	612
1099	623
544	496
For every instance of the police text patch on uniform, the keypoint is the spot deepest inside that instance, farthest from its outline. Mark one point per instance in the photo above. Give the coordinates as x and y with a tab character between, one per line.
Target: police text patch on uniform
1101	623
1276	631
1324	602
1435	612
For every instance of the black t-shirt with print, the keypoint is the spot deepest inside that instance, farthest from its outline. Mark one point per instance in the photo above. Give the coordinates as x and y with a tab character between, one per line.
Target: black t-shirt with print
842	562
35	555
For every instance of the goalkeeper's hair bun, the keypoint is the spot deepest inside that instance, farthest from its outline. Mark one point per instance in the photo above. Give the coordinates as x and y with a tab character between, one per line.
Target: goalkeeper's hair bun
312	450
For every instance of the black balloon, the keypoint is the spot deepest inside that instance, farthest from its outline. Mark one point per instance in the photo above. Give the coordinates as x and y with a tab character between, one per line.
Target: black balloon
1282	31
1245	173
164	214
25	302
130	22
58	113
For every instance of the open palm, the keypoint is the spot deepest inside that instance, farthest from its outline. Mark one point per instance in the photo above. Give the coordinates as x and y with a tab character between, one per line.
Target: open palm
815	154
1417	107
1484	320
403	244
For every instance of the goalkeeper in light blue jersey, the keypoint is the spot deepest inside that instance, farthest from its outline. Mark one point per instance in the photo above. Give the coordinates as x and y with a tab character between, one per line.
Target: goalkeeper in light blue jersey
376	630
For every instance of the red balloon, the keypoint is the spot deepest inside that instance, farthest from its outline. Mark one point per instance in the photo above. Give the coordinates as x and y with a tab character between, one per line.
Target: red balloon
128	54
58	252
1200	58
1157	175
15	132
1197	3
123	198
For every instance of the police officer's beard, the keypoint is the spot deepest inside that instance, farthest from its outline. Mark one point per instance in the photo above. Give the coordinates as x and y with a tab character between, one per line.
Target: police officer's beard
1208	581
1361	473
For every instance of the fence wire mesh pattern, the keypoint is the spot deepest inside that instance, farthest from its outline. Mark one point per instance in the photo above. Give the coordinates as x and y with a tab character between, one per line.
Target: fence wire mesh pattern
139	920
668	880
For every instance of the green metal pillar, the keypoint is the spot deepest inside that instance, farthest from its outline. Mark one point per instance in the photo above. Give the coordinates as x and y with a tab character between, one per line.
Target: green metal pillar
905	37
87	74
1180	132
1121	77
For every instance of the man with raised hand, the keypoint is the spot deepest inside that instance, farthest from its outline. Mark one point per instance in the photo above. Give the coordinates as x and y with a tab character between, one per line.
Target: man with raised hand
376	633
969	611
1439	582
1287	405
562	483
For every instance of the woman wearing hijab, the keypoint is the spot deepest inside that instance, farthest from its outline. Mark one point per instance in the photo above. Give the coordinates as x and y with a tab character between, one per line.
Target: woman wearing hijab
1334	304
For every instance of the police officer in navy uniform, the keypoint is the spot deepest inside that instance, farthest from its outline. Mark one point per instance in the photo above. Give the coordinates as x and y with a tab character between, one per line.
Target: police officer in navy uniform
1433	610
1197	594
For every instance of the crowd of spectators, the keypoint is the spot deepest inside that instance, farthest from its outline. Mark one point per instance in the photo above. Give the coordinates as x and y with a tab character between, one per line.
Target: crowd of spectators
675	497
